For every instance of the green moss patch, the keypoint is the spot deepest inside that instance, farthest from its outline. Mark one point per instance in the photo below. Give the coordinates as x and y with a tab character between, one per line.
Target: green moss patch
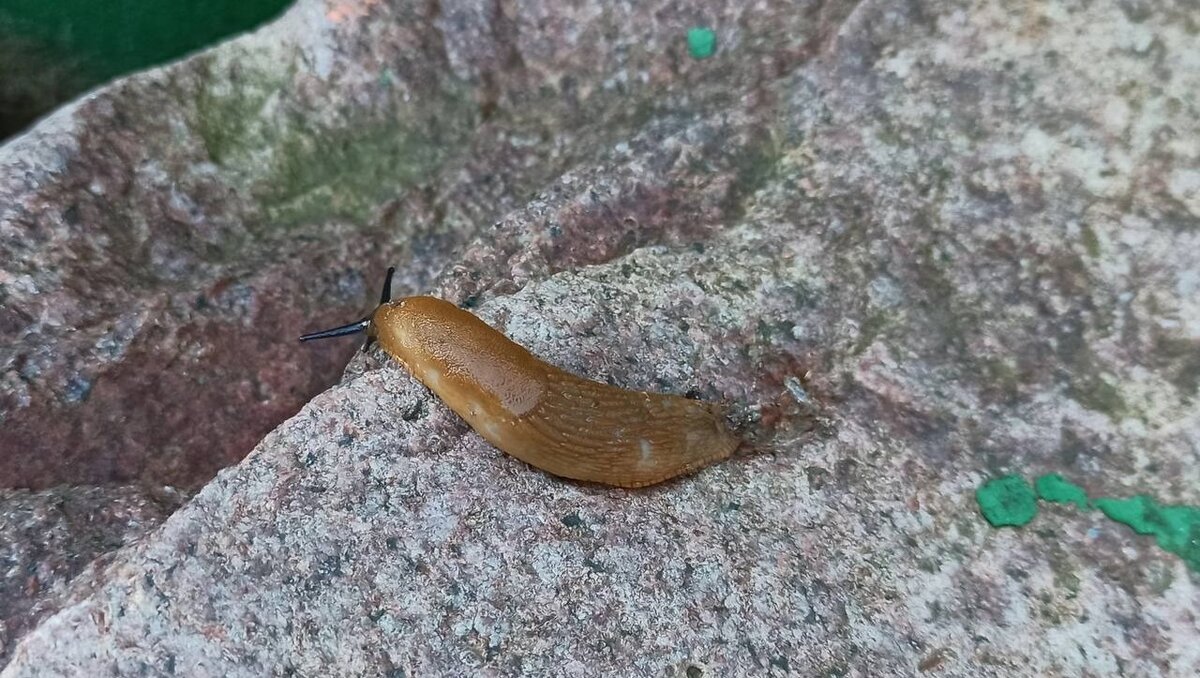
303	172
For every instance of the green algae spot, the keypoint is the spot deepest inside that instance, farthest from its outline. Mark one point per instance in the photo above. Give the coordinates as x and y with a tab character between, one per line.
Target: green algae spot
1007	501
300	172
1055	488
1175	528
702	42
1091	244
1097	394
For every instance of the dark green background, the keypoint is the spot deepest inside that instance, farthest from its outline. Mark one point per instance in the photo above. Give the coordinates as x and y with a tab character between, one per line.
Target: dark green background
52	50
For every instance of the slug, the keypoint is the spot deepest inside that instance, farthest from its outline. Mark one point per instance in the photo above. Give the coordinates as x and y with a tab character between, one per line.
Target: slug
547	417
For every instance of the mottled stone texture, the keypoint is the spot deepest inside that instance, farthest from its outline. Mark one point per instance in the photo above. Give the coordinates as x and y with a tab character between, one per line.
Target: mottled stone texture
916	244
49	537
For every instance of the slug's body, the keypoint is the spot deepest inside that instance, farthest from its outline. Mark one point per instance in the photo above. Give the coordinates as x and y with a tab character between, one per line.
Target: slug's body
540	414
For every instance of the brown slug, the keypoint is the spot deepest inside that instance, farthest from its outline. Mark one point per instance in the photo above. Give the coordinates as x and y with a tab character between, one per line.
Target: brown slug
547	417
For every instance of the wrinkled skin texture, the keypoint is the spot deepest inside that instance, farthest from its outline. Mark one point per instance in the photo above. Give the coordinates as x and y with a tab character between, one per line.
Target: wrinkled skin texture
561	423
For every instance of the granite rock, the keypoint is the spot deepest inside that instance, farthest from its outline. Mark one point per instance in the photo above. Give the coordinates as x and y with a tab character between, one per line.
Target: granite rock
161	238
916	244
47	538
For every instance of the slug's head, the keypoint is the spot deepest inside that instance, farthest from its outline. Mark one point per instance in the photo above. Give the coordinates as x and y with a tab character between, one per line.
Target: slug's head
364	325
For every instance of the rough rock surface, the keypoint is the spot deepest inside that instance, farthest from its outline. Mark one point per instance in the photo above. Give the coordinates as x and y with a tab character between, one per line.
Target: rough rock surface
49	537
162	239
916	243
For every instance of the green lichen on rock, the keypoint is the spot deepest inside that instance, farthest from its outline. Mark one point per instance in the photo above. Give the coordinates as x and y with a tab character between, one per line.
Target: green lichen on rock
345	174
1175	528
1091	243
229	120
1095	393
1007	501
303	171
1179	358
757	165
1053	487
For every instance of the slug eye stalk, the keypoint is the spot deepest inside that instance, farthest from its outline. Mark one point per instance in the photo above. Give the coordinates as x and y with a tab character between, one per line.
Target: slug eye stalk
358	325
386	295
353	328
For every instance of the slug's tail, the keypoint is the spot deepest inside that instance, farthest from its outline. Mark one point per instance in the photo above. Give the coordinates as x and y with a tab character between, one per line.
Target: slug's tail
358	325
